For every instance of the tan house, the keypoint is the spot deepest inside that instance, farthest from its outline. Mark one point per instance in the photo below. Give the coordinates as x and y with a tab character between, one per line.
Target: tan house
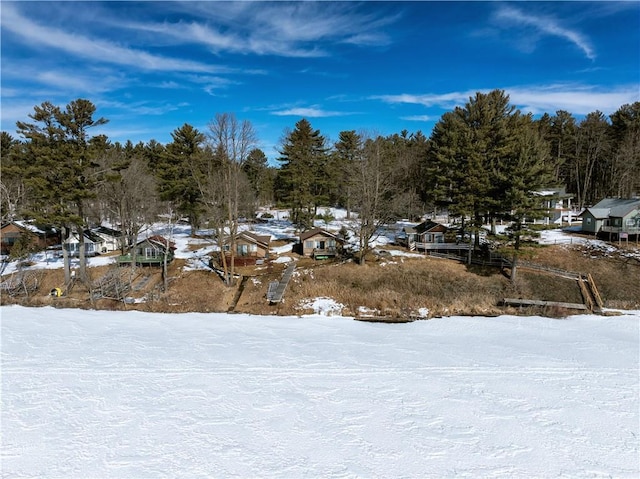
320	244
424	236
250	248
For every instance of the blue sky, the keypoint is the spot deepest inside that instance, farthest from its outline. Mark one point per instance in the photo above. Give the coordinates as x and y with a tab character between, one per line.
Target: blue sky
379	67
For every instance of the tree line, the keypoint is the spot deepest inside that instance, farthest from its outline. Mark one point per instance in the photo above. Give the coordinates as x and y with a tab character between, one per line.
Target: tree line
482	161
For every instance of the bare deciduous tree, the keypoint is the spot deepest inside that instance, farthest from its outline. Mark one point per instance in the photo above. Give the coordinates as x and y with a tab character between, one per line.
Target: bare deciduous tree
224	186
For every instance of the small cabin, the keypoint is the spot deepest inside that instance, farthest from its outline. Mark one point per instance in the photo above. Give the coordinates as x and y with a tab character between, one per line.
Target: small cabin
39	237
93	244
150	252
425	235
250	248
613	218
111	239
320	244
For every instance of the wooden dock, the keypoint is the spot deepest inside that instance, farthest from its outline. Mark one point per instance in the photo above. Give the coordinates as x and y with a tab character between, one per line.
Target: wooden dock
535	302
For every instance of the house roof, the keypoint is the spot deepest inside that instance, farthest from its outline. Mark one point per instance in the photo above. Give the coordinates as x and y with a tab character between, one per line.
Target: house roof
554	193
260	240
103	230
598	213
88	235
424	227
160	241
318	231
616	207
40	230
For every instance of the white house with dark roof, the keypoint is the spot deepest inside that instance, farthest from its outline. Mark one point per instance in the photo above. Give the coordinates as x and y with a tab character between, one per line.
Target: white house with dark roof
556	205
112	239
93	244
617	217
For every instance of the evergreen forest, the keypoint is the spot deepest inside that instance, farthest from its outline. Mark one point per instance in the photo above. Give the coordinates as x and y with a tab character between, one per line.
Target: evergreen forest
483	160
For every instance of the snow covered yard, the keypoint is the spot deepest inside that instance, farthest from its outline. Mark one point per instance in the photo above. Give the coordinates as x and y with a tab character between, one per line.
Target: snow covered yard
129	394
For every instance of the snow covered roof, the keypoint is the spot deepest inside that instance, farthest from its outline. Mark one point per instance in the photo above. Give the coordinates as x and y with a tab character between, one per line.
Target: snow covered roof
34	228
553	192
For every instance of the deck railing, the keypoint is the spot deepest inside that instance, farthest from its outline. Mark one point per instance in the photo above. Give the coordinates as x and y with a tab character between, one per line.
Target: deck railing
126	259
437	246
331	251
634	230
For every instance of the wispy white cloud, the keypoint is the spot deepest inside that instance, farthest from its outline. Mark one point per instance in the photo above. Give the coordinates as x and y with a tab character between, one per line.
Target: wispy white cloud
296	29
309	112
510	16
143	108
418	118
576	99
99	51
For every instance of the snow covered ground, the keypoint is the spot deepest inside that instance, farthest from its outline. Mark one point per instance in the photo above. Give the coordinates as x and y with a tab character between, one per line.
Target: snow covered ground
133	395
196	251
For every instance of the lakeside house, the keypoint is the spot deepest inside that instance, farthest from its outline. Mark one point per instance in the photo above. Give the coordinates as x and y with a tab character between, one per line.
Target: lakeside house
613	218
556	206
39	236
93	244
318	243
424	236
111	239
150	252
250	249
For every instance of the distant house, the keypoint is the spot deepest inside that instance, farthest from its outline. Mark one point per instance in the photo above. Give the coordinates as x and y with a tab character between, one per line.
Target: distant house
320	244
617	218
41	237
150	252
111	239
93	244
556	206
250	248
424	235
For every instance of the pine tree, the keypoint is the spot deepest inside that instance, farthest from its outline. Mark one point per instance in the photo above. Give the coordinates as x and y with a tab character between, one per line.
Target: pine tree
63	175
625	158
346	150
177	169
303	173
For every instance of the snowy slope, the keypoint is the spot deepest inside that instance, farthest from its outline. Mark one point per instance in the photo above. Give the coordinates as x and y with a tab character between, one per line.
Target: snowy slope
133	395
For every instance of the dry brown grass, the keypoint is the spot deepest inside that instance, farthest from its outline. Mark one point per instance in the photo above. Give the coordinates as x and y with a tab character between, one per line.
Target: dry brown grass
394	286
617	277
399	288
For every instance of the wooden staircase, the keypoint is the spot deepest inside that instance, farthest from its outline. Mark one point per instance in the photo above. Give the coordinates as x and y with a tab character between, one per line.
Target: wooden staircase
275	293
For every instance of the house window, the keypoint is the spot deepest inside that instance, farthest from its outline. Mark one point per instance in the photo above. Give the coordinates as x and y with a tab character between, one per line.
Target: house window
243	249
308	244
150	253
588	220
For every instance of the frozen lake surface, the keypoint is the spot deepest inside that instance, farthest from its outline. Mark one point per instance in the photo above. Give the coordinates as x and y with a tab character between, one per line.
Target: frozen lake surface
133	395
